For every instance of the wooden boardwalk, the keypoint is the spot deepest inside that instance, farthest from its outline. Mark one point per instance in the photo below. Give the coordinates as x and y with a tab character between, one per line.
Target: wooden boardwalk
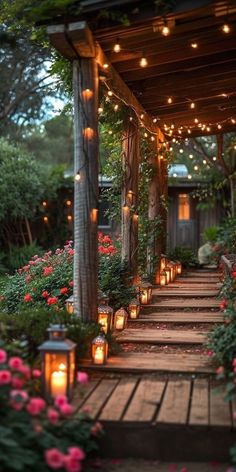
163	404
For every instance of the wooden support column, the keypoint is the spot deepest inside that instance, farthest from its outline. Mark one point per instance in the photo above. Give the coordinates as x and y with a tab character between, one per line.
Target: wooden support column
154	206
129	233
85	86
164	202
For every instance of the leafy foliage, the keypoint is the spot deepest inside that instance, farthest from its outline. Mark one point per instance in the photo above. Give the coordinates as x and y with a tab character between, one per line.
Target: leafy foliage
184	255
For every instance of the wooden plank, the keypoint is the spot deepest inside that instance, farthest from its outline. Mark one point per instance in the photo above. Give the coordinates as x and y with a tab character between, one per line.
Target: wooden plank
220	414
184	293
199	411
155	362
180	317
115	406
99	396
83	391
166	336
202	274
146	399
175	404
188	286
186	303
196	280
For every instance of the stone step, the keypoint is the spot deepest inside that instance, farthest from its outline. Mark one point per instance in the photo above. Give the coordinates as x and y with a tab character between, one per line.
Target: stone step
161	292
184	303
158	336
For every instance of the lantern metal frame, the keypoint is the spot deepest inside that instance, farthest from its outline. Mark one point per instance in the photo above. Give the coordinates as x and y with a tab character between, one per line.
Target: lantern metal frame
57	351
163	278
120	314
145	289
134	314
105	313
100	343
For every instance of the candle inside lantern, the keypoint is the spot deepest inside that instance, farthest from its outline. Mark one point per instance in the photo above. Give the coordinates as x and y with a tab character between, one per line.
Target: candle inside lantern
103	321
144	297
58	381
119	322
99	355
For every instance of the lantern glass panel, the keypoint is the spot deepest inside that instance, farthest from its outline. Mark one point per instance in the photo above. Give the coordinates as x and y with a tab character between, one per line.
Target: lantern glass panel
163	263
134	309
99	350
120	319
168	274
163	278
56	373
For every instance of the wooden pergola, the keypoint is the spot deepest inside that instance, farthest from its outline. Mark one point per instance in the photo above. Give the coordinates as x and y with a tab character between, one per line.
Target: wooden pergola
176	72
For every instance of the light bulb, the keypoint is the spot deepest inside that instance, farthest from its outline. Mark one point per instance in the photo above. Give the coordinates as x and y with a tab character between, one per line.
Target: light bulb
214	158
100	110
219	126
194	45
109	93
189	176
154	120
233	121
204	161
117	47
192	105
190	156
165	30
143	62
69	217
169	100
116	107
77	177
105	66
174	175
226	28
195	167
196	120
181	151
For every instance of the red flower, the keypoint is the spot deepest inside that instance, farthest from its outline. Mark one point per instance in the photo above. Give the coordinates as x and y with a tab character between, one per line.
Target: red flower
71	283
64	290
45	294
28	298
233	274
47	271
52	300
28	279
106	240
223	304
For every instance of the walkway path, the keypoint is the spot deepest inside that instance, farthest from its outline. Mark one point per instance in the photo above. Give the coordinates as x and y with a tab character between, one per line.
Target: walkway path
157	399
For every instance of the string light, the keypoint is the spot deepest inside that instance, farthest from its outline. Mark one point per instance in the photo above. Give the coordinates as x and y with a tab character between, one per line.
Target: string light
44	203
194	45
172	126
196	120
152	138
174	175
165	29
233	121
192	105
226	28
69	218
117	47
195	167
154	120
110	132
204	161
100	110
105	66
189	176
208	128
143	61
130	118
77	176
116	107
181	151
145	135
45	219
219	126
190	156
68	203
142	116
109	93
214	158
169	100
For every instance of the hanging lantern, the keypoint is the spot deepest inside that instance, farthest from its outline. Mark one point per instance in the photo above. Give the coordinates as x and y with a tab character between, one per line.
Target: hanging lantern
99	350
134	309
58	357
163	278
70	305
105	315
163	262
168	274
179	267
145	293
120	319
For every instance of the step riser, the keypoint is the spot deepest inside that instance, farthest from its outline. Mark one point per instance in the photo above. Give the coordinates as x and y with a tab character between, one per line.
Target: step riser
166	443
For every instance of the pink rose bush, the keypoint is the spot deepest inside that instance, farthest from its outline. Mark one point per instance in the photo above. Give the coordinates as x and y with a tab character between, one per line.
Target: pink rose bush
35	435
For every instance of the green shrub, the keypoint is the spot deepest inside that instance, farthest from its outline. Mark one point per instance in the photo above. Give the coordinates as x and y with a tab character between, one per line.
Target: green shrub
210	234
185	255
19	255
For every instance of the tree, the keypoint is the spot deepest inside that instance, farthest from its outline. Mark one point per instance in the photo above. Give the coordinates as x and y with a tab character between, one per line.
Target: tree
26	80
22	186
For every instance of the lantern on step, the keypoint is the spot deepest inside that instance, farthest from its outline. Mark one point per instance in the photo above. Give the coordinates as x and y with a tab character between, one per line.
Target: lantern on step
172	271
163	262
99	350
105	315
58	358
168	274
163	278
134	309
145	293
179	267
70	305
120	319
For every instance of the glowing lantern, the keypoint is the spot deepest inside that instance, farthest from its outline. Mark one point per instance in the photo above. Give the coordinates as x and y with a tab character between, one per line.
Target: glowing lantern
87	94
105	315
163	278
70	305
88	133
168	274
58	357
120	319
145	293
134	309
99	350
163	262
172	272
179	267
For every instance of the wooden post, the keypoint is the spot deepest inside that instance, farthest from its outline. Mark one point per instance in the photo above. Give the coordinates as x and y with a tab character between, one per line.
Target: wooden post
164	203
129	232
154	211
85	86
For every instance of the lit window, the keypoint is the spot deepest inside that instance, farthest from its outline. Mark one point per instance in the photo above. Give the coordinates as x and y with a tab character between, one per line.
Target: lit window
184	207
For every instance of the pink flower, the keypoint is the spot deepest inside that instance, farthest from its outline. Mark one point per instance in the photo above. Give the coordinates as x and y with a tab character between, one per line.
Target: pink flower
35	406
82	377
47	271
64	290
17	382
184	469
223	304
96	428
220	370
66	409
71	464
54	458
36	373
76	453
25	370
45	294
15	363
28	279
5	377
52	415
60	400
52	300
234	362
3	356
28	298
233	274
18	399
71	283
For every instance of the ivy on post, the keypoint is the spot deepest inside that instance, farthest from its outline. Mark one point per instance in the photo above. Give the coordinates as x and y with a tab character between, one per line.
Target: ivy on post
129	222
